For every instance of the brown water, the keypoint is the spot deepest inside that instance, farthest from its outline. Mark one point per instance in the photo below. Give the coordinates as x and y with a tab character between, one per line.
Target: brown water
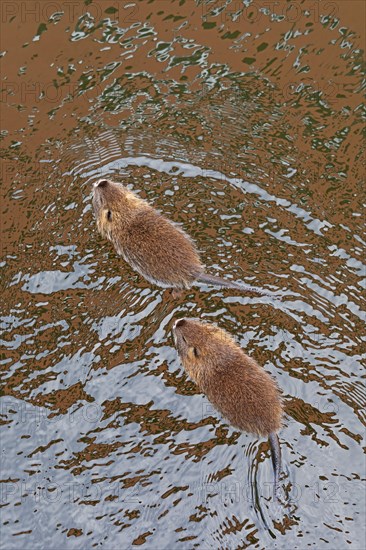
242	121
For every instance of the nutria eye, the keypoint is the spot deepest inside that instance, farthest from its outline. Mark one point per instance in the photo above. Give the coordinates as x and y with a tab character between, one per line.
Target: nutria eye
109	216
195	352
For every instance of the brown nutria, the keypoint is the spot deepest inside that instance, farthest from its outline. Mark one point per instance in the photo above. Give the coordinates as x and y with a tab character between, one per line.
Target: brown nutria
153	245
241	390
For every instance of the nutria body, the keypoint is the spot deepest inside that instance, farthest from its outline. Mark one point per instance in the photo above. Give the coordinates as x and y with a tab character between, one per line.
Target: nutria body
235	384
153	245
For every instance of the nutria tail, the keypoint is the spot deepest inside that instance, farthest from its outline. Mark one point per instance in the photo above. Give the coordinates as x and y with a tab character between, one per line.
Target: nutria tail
276	460
217	281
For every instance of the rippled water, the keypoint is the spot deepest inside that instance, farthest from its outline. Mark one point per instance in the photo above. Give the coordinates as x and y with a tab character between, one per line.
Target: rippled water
242	121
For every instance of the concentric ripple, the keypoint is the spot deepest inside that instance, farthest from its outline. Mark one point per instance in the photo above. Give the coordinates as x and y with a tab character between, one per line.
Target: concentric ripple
243	124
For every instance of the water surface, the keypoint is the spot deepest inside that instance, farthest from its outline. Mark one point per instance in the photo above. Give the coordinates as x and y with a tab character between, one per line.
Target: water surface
243	122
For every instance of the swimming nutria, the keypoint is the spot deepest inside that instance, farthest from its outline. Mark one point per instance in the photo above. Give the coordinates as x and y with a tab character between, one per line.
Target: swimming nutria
241	390
153	245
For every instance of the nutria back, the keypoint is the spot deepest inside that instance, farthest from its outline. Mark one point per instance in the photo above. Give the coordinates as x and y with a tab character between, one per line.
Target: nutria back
153	245
234	382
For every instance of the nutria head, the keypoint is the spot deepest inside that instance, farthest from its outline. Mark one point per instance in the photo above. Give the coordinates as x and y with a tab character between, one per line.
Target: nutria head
107	195
202	345
112	204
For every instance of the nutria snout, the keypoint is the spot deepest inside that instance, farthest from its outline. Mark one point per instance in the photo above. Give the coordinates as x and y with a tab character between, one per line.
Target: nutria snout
101	183
154	246
240	389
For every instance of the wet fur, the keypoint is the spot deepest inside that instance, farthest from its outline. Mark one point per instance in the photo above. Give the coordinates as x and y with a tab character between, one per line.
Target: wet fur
235	384
153	245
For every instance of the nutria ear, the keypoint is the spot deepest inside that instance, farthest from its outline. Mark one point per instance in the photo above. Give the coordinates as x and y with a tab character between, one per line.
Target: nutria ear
107	214
192	353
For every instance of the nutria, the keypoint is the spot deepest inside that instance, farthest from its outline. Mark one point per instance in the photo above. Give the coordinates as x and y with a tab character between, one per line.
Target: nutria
241	390
153	245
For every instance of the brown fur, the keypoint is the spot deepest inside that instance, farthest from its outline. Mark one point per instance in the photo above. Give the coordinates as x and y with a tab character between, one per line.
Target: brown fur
158	249
153	245
235	384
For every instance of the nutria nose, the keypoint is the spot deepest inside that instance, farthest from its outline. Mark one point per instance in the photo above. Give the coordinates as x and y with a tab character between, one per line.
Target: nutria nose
179	323
101	183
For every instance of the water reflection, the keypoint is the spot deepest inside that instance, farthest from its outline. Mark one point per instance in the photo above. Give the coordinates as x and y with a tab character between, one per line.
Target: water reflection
242	123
